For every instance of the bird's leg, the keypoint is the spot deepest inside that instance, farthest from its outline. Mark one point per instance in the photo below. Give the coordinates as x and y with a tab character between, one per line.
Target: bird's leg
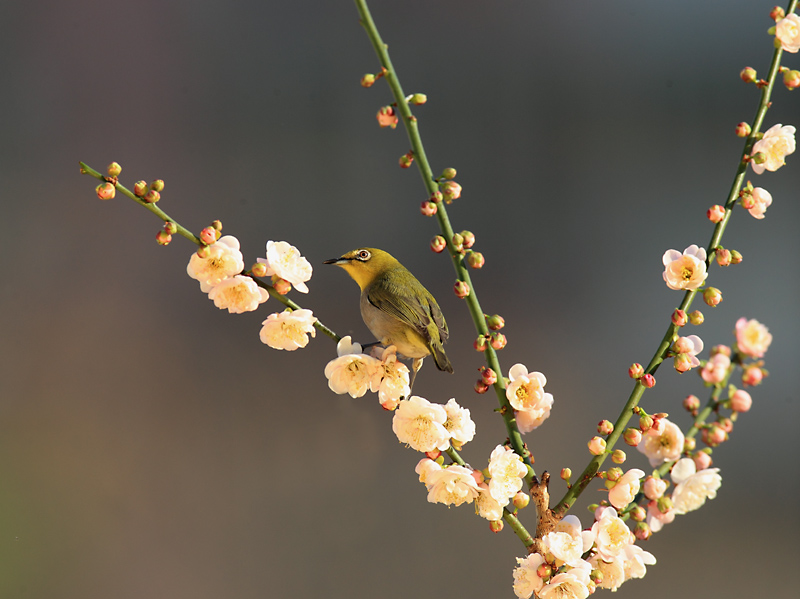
415	366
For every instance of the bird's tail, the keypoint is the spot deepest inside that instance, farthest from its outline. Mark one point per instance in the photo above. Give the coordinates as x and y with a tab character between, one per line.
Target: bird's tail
440	358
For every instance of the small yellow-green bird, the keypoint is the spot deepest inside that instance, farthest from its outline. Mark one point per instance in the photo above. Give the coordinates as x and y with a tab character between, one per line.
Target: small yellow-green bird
396	308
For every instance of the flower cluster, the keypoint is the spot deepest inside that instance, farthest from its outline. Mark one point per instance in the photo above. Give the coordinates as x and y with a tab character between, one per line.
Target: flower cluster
576	561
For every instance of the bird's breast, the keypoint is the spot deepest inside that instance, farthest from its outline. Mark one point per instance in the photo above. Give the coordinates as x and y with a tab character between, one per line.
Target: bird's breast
393	331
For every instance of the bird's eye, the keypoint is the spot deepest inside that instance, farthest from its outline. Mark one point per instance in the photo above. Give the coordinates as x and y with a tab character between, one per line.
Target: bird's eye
363	255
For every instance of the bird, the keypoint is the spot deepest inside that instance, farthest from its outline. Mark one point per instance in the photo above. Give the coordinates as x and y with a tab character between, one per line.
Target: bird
397	308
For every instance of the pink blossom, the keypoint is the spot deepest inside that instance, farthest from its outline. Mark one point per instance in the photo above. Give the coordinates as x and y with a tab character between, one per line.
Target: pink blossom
787	32
685	271
752	337
762	200
626	488
777	143
654	487
716	369
666	446
741	401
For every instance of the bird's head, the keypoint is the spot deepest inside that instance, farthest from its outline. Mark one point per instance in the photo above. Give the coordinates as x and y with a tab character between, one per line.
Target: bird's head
364	264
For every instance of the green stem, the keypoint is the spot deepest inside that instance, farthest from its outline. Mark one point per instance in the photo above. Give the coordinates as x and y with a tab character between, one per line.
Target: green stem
661	353
431	185
87	170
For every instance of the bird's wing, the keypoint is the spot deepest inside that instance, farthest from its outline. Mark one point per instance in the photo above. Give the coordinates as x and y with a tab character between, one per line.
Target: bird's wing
411	304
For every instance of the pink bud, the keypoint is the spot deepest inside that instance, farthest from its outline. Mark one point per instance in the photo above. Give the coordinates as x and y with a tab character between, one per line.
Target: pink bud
696	317
436	197
438	244
368	80
407	159
741	401
713	435
566	474
642	531
645	422
475	260
618	456
481	343
638	514
716	213
544	571
721	349
157	185
777	13
203	251
498	341
259	269
635	371
481	386
282	286
791	79
597	445
613	475
712	296
682	362
495	322
461	289
387	117
726	424
748	75
114	169
722	256
450	191
469	238
702	460
152	196
488	375
163	238
605	427
679	318
433	454
691	403
648	380
683	345
139	188
458	241
743	129
654	487
208	236
752	376
496	526
428	208
736	257
632	436
170	227
106	191
658	425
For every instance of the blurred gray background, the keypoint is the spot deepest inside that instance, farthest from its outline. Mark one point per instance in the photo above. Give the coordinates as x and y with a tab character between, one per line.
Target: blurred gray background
151	446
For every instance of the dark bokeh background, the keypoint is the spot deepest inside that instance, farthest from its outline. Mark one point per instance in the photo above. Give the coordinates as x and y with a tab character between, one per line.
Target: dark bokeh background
151	446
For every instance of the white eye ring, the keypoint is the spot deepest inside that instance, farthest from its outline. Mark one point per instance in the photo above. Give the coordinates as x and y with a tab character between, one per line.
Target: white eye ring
363	255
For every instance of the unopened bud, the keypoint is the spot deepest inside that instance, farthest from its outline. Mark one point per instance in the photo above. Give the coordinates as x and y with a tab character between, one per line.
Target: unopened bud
689	443
449	173
614	474
642	531
428	208
152	196
679	318
496	526
752	376
645	422
458	242
418	99
498	341
387	117
139	188
163	238
259	269
691	403
638	514
722	256
777	13
157	185
759	158
475	260
736	257
114	169
605	427
436	196
712	296
716	213
544	571
481	386
566	474
635	371
170	227
488	375
481	343
696	317
632	436
469	238
648	380
748	75
791	79
702	459
368	80
521	500
495	322
282	286
743	129
203	251
450	191
407	159
208	235
461	289
438	244
618	456
597	445
106	191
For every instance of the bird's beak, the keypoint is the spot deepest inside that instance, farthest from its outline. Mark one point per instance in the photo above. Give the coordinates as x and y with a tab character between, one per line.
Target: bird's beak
338	261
